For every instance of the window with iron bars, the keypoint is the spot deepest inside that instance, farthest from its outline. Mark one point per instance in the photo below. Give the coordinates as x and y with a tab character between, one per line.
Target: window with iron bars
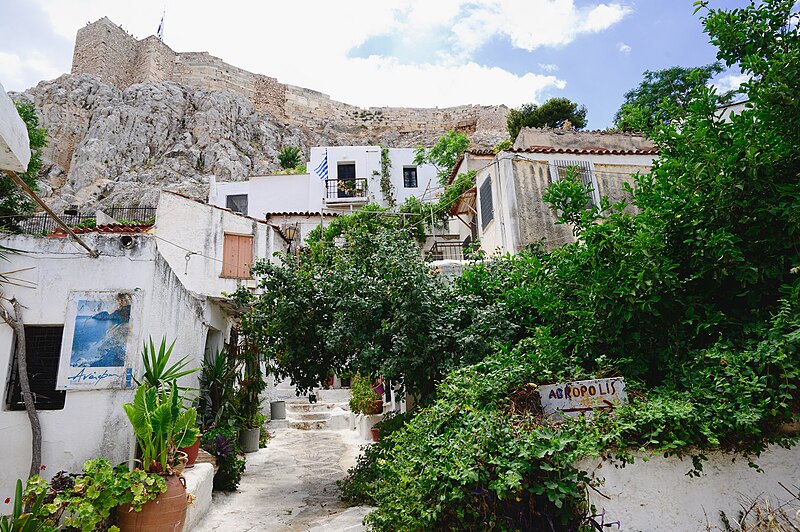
585	169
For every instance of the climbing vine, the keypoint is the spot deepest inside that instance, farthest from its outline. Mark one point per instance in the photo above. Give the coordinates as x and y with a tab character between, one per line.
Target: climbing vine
386	182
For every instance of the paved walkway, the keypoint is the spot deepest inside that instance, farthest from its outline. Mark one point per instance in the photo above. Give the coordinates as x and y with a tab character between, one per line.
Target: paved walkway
291	486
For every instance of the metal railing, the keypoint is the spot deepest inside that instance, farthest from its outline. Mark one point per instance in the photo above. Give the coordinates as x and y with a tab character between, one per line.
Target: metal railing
41	223
446	251
346	188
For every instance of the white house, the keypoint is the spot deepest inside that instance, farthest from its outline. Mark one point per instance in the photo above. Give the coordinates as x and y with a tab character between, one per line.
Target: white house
166	280
340	179
505	210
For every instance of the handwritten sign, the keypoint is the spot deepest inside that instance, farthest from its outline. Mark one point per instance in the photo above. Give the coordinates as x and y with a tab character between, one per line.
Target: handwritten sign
582	398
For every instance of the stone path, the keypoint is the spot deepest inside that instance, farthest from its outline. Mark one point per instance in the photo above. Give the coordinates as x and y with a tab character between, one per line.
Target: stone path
291	486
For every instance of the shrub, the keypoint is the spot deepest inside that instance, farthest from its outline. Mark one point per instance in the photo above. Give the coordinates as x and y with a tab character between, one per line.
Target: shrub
222	443
363	395
289	157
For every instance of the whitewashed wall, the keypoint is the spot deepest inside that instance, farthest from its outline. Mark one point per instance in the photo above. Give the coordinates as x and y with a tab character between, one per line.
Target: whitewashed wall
92	423
187	226
306	192
657	495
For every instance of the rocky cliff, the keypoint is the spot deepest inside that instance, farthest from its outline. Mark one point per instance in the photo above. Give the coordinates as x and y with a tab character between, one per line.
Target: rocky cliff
110	146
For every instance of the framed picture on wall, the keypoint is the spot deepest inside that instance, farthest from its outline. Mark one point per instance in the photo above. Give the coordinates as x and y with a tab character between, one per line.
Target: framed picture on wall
100	343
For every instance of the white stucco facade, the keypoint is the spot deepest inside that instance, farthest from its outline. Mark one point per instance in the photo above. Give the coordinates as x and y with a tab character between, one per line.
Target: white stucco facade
307	193
92	423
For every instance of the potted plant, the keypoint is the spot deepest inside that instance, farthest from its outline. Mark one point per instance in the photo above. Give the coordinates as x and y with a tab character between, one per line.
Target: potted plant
248	399
162	424
363	398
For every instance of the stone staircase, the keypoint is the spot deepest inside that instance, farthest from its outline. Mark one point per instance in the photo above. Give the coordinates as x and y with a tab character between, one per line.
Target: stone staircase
330	412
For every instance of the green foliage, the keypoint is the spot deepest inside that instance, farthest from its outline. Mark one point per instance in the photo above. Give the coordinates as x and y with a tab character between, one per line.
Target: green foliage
363	396
27	521
222	443
553	114
503	145
161	424
85	501
386	177
247	398
289	157
13	200
156	372
693	300
662	96
444	154
218	383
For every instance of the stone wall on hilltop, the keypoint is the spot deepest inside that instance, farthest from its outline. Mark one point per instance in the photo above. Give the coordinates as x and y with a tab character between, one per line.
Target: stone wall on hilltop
106	51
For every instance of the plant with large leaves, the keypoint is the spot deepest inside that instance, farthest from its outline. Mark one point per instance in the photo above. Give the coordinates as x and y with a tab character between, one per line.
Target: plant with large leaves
161	424
156	372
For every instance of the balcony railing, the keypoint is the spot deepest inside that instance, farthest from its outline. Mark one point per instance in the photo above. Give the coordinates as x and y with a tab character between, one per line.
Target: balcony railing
346	188
41	223
446	251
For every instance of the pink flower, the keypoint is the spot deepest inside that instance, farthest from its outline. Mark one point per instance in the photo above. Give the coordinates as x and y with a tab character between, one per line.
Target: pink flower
43	467
8	500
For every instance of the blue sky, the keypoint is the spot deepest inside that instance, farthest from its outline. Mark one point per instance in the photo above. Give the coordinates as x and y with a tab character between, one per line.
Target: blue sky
419	53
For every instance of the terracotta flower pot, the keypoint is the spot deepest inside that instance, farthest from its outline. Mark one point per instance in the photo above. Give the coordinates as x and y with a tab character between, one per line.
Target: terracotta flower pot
191	452
376	436
165	513
376	408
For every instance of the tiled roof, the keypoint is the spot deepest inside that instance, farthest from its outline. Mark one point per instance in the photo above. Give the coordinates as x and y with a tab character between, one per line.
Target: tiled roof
269	215
106	229
584	151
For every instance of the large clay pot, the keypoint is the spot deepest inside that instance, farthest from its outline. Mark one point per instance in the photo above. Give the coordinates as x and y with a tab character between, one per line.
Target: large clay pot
376	407
166	513
191	452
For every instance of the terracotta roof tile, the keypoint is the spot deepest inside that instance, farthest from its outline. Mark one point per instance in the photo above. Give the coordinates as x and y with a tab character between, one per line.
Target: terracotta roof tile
107	229
584	151
269	215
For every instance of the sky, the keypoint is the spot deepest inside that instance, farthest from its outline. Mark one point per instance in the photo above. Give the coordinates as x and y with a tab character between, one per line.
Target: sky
410	53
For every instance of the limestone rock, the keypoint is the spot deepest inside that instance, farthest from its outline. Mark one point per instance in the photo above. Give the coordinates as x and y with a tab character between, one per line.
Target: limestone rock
109	146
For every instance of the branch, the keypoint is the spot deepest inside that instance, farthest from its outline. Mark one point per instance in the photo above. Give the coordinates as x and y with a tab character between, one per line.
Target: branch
15	322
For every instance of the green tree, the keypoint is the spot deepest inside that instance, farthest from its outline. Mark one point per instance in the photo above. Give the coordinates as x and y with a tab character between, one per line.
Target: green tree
444	154
662	96
552	113
13	200
289	157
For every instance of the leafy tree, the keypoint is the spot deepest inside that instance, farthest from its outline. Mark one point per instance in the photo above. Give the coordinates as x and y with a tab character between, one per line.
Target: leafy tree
444	154
662	96
289	157
552	113
13	200
695	300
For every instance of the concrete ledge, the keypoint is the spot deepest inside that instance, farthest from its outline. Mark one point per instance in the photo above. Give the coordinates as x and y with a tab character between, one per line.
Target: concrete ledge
199	482
362	423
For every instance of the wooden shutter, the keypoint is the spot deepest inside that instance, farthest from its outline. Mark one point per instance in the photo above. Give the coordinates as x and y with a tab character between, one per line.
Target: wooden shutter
487	207
237	256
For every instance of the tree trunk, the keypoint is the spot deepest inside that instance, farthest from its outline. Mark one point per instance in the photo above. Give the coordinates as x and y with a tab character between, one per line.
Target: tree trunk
15	322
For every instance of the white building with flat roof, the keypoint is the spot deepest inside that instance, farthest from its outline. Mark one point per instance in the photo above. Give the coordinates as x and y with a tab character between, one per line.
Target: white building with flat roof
339	179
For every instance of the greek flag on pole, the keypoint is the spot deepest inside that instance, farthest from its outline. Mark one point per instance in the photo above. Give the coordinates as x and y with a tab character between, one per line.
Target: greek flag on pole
160	31
322	169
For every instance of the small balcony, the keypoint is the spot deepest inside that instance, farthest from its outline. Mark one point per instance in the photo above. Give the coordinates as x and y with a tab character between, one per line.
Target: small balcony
346	191
443	250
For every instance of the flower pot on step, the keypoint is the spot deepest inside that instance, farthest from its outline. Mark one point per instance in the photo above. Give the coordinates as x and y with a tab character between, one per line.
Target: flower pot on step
191	452
376	407
376	436
248	439
165	513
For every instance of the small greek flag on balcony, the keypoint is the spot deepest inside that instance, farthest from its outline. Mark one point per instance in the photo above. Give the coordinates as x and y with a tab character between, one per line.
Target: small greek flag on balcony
322	169
160	31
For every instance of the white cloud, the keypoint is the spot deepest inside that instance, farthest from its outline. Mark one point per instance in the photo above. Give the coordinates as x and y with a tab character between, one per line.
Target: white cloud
307	42
624	48
18	69
548	67
730	82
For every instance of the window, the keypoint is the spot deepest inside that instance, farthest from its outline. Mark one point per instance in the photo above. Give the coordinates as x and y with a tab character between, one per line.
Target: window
43	350
487	207
346	174
237	256
410	177
237	203
585	171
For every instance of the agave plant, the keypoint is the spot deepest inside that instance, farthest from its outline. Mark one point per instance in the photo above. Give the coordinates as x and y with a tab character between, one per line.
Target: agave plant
156	372
161	424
